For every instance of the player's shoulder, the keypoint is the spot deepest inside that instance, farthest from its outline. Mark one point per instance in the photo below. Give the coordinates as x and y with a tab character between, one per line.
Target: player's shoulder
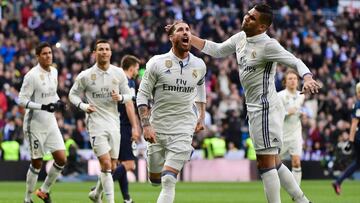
157	60
34	71
116	69
53	70
197	61
85	73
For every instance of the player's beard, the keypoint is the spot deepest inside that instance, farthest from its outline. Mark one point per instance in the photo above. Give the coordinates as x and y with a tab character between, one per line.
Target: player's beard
179	46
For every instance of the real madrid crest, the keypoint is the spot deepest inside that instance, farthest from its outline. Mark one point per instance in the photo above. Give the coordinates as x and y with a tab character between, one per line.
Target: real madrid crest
253	54
42	77
114	82
168	63
194	73
93	78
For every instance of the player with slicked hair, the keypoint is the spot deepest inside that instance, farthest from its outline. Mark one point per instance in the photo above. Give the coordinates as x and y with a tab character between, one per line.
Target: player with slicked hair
104	86
175	81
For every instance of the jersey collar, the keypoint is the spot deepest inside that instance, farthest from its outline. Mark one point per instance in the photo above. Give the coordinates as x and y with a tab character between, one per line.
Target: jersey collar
100	71
184	61
43	70
256	37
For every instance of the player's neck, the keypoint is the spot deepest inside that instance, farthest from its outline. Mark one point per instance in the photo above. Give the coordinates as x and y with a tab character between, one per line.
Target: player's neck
180	54
292	91
46	68
103	66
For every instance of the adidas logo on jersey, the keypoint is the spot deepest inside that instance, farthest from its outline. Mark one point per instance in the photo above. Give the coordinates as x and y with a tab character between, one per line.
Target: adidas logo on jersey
275	140
168	71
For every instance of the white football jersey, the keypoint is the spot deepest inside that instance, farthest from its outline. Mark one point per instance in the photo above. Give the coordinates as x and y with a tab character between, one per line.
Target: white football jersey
39	87
257	57
174	84
292	123
97	85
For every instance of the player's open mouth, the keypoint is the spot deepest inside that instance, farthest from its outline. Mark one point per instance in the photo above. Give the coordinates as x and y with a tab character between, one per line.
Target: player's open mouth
185	40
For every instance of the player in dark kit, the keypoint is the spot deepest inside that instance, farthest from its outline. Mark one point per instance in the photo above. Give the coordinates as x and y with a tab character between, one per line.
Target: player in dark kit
129	129
353	144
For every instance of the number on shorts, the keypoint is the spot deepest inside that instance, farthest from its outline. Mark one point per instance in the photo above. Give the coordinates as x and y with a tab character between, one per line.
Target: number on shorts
93	138
36	144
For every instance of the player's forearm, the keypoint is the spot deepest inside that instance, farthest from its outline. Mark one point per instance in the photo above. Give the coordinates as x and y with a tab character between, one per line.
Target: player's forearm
197	42
202	108
130	111
144	114
354	124
26	103
76	100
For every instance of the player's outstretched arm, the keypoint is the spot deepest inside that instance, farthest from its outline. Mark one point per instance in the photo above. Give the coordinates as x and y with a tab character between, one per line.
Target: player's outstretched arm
310	85
197	42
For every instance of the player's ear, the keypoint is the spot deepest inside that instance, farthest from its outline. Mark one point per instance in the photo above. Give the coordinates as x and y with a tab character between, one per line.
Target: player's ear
171	38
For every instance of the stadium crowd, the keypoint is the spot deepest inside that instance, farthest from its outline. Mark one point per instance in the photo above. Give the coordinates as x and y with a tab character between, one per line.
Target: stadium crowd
319	32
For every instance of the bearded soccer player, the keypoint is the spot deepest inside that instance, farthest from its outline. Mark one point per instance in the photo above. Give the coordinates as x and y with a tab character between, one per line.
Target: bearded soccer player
174	80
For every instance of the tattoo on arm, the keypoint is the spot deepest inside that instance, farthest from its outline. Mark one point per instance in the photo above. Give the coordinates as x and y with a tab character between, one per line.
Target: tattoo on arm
144	115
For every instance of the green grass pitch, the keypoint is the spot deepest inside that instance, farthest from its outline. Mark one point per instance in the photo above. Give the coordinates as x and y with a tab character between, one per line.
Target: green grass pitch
249	192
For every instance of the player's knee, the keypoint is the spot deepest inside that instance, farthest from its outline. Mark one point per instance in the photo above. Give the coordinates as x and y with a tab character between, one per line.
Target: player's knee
106	165
36	163
296	164
168	178
61	161
155	181
129	166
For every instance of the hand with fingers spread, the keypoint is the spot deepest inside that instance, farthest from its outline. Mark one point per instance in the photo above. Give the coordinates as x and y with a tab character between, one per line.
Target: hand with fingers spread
310	85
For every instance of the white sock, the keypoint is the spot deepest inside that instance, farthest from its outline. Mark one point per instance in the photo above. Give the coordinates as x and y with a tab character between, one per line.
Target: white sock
271	186
98	187
31	179
167	194
51	177
108	185
288	182
297	174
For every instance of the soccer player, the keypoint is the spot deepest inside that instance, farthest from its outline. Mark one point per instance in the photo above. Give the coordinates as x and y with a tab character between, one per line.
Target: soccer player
353	144
292	101
129	127
257	55
38	95
175	80
104	86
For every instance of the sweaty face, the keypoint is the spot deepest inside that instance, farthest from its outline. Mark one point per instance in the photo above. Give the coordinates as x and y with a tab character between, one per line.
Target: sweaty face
103	53
181	37
45	57
251	21
291	81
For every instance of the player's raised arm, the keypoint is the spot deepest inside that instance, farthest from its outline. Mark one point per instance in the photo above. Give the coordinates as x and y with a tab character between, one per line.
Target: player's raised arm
275	52
223	49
